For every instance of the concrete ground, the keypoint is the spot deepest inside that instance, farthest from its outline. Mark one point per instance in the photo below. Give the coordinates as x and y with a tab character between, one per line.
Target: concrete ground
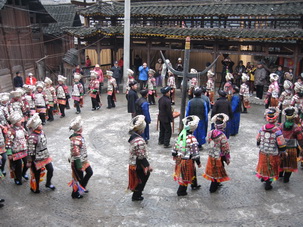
240	202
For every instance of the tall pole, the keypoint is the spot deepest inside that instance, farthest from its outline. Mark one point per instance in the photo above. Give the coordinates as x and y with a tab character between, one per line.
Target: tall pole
184	85
126	49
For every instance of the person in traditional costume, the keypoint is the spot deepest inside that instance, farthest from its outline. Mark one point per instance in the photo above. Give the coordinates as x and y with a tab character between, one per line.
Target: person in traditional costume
38	158
100	77
4	126
165	117
16	147
51	95
30	100
294	138
16	103
228	86
142	108
111	90
236	109
41	101
272	97
151	86
285	97
244	93
139	168
210	86
192	84
62	94
93	90
172	84
297	101
79	160
219	153
222	105
130	78
77	92
198	107
132	97
271	143
186	153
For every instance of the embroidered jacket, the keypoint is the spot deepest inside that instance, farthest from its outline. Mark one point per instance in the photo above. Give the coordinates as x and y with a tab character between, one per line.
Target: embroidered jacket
78	148
210	85
77	89
62	91
94	86
17	105
151	83
16	140
219	145
228	88
188	149
30	101
171	82
273	90
111	84
51	95
285	98
37	146
137	150
293	136
4	114
40	99
244	90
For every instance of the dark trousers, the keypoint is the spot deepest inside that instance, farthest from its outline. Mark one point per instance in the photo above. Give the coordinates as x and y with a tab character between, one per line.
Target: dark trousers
140	187
95	103
50	170
242	102
259	92
67	104
110	101
100	87
42	117
213	186
151	98
17	166
4	158
165	133
142	84
84	179
50	113
182	190
62	108
77	104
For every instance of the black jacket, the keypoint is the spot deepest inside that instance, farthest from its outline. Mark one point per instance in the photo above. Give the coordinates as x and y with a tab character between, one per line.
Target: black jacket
197	107
116	72
165	111
222	105
18	81
131	100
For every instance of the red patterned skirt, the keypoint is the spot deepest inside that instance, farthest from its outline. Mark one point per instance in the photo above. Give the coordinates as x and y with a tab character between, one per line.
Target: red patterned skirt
274	102
133	179
289	163
184	171
215	171
268	167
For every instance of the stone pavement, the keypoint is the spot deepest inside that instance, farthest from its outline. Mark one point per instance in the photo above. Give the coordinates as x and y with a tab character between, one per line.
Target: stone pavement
240	202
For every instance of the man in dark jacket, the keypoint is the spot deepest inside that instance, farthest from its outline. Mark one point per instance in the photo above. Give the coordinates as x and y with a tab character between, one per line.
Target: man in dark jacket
222	105
165	118
260	80
132	98
18	81
280	73
117	73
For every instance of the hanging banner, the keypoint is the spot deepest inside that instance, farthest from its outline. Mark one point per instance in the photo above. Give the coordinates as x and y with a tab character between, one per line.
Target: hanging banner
289	63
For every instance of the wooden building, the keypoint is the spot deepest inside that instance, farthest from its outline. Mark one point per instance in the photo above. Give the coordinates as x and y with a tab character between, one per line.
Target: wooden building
251	30
21	38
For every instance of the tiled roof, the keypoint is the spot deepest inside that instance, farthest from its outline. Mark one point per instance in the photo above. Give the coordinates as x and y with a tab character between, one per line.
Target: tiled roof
194	33
187	9
64	14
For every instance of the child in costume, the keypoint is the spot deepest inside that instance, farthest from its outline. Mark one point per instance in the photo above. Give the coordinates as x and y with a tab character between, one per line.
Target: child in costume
272	97
186	153
210	86
139	168
228	86
297	101
16	103
93	91
294	138
111	90
38	158
79	160
30	100
4	126
218	154
16	148
41	101
77	92
151	86
50	92
285	97
244	93
271	143
192	84
62	94
172	84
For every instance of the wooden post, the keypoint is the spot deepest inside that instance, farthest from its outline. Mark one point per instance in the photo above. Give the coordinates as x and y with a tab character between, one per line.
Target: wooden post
148	52
7	54
296	59
98	53
79	53
215	54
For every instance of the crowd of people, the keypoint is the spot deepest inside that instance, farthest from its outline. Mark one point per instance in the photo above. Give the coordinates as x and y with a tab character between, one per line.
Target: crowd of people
24	111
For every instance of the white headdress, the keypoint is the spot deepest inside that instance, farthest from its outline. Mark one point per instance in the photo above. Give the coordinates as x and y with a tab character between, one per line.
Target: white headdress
34	122
109	73
244	77
137	124
40	84
93	74
15	117
210	73
61	78
130	72
4	97
77	76
48	80
229	76
76	124
273	77
191	122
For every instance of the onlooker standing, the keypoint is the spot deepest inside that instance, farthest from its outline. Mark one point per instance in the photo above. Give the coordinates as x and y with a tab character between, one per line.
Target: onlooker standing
121	63
79	71
179	67
88	62
260	80
18	81
158	69
30	80
143	75
165	117
117	73
132	98
240	68
137	63
280	73
227	67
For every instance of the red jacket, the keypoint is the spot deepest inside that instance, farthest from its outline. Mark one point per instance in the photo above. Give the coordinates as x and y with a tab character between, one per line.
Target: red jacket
31	81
